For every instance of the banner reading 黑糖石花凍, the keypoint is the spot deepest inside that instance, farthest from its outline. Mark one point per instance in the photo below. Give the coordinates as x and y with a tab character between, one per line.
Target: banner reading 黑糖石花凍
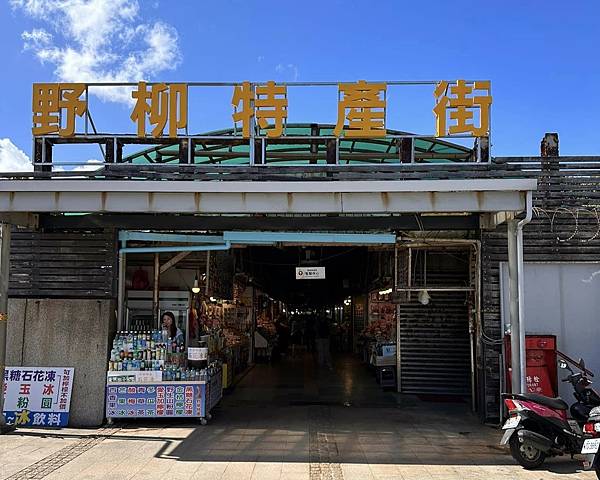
37	396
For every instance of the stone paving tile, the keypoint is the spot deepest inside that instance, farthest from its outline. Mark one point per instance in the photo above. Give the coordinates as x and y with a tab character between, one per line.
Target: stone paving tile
245	440
357	472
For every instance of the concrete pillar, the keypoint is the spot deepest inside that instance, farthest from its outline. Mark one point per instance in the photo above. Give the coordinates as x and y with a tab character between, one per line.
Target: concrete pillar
4	269
513	295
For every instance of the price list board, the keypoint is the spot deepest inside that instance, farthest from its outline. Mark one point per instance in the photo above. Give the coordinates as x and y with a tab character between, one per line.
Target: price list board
166	399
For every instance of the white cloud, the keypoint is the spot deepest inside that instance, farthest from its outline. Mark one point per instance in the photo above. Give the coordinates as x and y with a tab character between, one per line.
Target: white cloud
38	38
99	41
12	158
289	69
88	166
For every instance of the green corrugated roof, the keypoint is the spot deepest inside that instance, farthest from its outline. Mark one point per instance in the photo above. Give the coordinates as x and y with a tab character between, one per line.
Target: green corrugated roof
217	152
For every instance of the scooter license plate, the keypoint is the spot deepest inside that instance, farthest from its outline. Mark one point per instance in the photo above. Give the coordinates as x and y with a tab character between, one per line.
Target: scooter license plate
512	422
591	445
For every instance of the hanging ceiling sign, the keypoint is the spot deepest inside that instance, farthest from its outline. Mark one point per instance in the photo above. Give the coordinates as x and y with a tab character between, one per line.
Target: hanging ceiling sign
310	273
260	110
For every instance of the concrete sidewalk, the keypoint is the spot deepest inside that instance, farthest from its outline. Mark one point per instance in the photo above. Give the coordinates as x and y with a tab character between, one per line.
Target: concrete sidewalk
286	422
340	443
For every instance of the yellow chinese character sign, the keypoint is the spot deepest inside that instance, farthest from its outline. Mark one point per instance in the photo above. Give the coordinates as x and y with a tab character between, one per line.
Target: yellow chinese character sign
461	108
55	106
363	105
266	102
167	102
460	101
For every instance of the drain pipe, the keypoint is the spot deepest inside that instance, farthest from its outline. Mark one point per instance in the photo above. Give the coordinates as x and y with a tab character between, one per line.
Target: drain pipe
521	295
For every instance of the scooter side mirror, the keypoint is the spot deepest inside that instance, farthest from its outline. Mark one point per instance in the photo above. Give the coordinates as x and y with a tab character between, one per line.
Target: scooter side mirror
582	364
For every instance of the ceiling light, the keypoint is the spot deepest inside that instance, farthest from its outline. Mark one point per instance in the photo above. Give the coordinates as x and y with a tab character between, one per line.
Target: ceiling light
424	297
196	288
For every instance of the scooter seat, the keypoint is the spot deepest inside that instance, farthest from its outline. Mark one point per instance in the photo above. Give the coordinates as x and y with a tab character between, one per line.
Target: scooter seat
555	403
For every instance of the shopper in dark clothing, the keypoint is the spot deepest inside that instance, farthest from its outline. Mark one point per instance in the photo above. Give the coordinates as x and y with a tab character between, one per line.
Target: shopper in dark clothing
283	339
310	333
322	340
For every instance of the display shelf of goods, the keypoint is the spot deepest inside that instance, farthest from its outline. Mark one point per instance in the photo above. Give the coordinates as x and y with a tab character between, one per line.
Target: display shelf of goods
381	330
234	337
265	323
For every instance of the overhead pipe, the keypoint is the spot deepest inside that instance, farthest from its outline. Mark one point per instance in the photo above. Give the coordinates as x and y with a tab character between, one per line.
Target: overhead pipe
182	248
127	235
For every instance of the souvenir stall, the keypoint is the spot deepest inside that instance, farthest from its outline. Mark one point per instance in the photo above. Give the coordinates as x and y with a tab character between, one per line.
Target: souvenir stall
380	337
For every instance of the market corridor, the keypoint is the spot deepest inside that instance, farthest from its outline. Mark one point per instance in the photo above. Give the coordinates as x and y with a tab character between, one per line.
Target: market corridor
286	421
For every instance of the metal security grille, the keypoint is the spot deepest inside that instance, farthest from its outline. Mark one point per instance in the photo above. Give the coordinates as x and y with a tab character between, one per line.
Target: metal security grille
434	338
434	345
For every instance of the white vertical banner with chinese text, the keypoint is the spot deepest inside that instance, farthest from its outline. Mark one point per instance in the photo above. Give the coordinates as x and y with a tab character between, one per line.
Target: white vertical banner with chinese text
38	396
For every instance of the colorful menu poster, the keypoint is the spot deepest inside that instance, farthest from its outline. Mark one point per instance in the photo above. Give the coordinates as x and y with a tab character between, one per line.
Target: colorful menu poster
155	400
37	396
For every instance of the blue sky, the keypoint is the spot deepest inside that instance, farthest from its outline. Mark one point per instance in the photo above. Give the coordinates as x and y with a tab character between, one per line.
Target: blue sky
541	56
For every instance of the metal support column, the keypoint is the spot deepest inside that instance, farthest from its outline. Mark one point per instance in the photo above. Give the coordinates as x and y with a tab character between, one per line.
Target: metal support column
513	288
4	266
155	289
121	291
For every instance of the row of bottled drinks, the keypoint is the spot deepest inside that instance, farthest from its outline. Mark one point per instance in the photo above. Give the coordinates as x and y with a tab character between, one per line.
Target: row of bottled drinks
128	342
149	351
154	351
142	350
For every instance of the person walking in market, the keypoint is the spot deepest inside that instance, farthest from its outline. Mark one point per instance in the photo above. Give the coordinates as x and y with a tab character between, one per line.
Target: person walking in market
323	335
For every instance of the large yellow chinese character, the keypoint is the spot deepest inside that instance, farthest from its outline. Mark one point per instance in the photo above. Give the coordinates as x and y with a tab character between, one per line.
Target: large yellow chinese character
243	93
53	102
167	102
462	104
366	109
22	417
271	102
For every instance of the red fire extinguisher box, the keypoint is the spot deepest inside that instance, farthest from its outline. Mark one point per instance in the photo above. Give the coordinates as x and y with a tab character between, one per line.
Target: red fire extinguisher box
541	364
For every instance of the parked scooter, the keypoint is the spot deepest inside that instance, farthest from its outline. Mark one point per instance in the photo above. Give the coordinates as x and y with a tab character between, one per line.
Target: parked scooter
591	445
538	426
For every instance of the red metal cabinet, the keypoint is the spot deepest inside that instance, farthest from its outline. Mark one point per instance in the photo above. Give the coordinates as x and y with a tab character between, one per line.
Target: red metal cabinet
541	364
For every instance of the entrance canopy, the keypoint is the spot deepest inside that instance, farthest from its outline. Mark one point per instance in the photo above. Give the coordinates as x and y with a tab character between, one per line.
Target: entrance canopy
276	197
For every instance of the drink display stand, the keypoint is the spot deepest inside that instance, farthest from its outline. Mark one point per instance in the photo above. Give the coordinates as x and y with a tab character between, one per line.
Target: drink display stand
152	376
139	395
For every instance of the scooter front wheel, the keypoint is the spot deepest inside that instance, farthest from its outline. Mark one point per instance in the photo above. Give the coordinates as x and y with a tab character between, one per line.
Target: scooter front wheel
528	456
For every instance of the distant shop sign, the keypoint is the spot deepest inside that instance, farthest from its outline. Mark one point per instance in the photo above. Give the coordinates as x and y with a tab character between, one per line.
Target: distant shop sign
310	273
37	396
